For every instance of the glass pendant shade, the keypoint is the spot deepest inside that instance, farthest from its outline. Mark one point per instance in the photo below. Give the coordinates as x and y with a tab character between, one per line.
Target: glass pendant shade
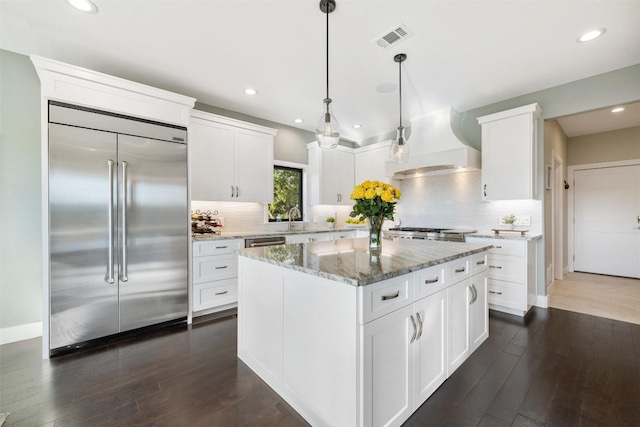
399	152
328	129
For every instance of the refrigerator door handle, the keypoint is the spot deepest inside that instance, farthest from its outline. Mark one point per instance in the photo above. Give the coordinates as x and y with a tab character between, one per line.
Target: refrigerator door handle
124	277
110	278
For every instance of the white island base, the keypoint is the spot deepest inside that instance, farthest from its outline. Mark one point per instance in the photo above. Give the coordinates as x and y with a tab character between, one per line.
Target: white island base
344	355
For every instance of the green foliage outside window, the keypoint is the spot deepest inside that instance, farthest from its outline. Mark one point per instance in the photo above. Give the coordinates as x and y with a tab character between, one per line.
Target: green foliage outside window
287	193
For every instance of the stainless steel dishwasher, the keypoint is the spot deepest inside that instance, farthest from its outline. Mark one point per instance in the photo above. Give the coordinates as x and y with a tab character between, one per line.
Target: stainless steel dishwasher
264	241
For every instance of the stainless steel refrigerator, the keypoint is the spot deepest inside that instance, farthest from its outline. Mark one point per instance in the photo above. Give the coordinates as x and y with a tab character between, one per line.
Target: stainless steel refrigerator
118	225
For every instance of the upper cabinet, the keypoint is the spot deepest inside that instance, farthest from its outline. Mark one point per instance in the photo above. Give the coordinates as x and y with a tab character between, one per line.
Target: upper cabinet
370	162
230	160
509	153
331	175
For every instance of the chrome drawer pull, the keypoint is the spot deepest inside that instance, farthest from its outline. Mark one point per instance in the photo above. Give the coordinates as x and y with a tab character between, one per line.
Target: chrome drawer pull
496	266
420	323
221	293
388	297
220	247
460	270
480	262
498	247
415	330
497	293
220	268
428	281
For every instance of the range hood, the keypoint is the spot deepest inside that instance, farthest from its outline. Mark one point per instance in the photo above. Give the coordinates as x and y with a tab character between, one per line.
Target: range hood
434	147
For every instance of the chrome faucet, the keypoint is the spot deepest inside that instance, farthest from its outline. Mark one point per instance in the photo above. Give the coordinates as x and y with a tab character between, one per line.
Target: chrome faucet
294	210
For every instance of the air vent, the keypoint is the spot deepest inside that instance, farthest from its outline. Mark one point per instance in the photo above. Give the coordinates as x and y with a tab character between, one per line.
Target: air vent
394	36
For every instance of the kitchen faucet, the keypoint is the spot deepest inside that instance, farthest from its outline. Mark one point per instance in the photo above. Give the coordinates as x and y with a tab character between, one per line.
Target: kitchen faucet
294	210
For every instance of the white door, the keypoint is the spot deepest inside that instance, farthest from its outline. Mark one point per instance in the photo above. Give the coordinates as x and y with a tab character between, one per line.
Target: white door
606	215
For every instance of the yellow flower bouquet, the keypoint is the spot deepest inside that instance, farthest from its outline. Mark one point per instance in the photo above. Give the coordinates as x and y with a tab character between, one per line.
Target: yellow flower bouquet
375	201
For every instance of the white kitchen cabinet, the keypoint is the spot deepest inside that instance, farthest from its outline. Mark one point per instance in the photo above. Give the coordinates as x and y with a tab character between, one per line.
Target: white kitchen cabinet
370	162
346	234
230	160
308	237
509	153
330	175
214	275
478	311
511	275
458	298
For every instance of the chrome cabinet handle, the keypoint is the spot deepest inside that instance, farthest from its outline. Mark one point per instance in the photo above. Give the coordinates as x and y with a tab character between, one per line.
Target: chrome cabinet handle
220	267
221	293
415	330
498	247
125	166
460	270
475	294
237	192
221	247
420	326
485	190
496	267
429	281
388	297
494	292
232	191
480	262
110	278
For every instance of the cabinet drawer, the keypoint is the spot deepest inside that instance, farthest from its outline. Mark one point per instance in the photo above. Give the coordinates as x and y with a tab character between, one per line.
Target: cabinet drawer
214	294
215	267
479	262
216	247
508	268
384	297
510	295
431	280
507	247
344	235
459	269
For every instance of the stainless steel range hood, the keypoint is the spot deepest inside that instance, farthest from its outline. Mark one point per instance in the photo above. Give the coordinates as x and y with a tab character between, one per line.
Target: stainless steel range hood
434	147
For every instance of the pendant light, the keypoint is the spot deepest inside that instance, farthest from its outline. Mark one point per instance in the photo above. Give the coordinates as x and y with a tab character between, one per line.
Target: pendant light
400	147
328	129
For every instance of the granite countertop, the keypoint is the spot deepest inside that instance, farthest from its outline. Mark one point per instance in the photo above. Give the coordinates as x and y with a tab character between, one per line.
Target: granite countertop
253	234
506	235
349	260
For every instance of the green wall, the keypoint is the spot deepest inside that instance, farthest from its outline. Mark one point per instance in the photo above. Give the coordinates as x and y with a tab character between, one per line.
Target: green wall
20	192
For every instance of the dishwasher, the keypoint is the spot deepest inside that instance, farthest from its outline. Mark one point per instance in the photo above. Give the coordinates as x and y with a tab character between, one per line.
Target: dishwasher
264	241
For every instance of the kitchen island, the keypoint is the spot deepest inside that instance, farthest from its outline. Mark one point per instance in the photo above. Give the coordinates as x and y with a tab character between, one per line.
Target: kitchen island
350	337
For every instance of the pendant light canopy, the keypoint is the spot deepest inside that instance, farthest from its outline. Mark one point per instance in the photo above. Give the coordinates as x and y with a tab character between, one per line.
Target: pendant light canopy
328	129
400	147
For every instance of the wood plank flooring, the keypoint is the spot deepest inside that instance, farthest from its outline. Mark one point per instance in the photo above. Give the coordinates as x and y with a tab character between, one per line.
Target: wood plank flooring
605	296
558	368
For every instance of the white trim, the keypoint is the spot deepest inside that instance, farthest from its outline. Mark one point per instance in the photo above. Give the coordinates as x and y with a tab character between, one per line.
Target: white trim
557	220
570	200
542	301
382	144
526	109
203	115
305	204
20	332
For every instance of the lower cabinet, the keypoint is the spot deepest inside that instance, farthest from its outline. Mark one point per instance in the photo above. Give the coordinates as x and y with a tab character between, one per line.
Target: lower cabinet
360	356
214	275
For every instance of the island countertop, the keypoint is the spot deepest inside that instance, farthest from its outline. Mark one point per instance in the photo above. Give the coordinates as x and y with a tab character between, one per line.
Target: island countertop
351	262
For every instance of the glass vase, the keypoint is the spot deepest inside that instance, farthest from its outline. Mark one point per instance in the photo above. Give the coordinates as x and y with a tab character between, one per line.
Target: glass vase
375	231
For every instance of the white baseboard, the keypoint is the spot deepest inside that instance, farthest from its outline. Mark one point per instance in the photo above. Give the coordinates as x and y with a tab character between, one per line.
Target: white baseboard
20	332
542	301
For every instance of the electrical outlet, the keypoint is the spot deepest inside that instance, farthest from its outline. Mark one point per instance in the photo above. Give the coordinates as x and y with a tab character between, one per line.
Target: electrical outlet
523	220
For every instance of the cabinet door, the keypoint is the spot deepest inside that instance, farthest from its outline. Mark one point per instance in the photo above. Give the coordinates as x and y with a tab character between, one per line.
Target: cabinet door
211	150
479	311
345	174
507	158
329	176
363	165
253	166
388	368
380	158
459	296
430	349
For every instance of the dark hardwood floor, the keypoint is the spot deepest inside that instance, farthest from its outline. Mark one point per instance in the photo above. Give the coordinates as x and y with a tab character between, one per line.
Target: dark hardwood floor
557	369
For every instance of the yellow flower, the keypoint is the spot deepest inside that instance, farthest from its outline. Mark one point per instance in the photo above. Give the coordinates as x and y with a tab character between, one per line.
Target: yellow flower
398	193
369	193
379	191
387	196
358	192
366	184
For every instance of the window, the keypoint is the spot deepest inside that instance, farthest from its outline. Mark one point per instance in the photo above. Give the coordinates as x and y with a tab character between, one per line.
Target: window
287	193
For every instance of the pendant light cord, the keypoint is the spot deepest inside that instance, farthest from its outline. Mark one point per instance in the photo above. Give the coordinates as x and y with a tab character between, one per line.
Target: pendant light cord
400	88
327	13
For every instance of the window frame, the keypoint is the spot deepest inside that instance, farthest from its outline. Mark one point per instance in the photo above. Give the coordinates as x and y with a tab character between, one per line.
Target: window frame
303	193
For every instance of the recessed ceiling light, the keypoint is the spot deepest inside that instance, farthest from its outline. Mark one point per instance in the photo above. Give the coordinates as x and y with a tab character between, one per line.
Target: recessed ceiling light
299	121
591	35
84	5
250	91
357	126
617	109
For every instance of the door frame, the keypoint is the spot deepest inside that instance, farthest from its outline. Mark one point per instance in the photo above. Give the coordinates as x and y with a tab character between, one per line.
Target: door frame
557	220
571	170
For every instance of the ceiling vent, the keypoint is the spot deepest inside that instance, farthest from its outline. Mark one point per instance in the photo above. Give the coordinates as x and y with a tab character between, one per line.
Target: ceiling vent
394	36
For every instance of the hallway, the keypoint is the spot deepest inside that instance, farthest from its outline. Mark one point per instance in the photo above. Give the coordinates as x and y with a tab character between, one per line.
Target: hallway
616	298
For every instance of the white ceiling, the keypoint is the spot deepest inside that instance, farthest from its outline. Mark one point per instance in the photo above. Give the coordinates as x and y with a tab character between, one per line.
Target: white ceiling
463	54
601	121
